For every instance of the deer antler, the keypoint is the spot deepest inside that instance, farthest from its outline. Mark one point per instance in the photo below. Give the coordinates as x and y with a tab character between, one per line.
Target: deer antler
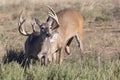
20	23
53	14
33	26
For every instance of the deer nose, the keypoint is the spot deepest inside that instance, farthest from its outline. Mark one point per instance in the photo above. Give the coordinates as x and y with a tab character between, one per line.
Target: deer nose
47	34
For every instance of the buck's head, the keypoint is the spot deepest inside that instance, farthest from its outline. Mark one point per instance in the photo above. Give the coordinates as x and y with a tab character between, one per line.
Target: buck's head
44	27
43	32
51	23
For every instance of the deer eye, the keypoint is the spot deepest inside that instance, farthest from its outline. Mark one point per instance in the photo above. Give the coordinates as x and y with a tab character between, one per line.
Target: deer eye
42	29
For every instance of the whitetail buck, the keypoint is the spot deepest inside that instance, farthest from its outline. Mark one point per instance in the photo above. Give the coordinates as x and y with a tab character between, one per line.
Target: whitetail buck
37	44
63	26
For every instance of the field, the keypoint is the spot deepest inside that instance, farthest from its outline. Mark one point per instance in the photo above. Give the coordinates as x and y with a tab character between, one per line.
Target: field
100	41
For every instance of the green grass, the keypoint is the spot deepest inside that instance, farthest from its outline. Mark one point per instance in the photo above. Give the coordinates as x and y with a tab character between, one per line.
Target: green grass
86	70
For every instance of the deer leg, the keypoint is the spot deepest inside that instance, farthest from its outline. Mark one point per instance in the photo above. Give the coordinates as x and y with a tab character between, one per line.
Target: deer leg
54	57
67	48
61	54
80	45
79	42
45	62
41	58
26	61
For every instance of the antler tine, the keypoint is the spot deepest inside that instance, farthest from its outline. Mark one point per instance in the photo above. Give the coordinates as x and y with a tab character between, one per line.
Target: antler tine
21	20
53	14
51	10
20	17
20	23
33	26
54	17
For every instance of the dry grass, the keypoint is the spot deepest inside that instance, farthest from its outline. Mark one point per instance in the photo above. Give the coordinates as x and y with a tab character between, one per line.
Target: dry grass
101	37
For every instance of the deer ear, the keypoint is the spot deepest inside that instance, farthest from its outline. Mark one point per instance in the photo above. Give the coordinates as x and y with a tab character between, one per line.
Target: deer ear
52	23
54	37
49	21
37	22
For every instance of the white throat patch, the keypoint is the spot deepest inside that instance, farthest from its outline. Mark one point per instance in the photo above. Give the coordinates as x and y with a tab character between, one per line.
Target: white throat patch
54	37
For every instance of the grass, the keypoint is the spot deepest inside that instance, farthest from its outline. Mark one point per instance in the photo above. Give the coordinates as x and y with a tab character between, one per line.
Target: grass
88	70
101	42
